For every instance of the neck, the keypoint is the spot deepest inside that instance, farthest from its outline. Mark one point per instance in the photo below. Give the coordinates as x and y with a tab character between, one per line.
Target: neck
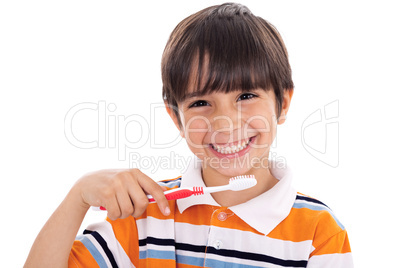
265	181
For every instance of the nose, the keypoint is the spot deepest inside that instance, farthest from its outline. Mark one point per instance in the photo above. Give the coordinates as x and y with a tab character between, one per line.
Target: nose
227	119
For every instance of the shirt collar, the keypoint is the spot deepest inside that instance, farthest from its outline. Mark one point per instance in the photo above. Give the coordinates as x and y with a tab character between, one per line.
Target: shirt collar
263	212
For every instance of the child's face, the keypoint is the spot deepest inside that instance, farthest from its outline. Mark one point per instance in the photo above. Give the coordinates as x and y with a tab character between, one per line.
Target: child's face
231	132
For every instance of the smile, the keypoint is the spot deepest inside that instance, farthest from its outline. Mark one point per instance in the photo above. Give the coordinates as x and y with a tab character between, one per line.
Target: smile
233	147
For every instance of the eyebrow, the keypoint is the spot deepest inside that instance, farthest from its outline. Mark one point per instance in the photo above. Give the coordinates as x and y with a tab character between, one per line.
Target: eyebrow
193	94
200	94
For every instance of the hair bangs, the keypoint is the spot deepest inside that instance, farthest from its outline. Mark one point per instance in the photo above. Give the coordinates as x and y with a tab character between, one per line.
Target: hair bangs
229	58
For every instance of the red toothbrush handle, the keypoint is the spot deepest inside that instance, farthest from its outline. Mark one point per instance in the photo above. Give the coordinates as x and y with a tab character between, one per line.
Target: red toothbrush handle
180	193
176	194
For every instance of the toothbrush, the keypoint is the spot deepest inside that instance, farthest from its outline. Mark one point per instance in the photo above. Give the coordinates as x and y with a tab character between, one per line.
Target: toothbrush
237	183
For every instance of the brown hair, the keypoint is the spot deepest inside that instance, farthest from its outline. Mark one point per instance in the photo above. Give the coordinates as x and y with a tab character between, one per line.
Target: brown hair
234	50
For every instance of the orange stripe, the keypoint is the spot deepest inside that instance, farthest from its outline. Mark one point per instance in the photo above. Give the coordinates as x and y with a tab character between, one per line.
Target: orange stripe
305	224
157	263
338	243
209	216
181	265
125	231
300	225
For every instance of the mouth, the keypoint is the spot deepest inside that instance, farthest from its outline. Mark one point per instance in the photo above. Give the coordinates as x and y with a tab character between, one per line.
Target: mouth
233	147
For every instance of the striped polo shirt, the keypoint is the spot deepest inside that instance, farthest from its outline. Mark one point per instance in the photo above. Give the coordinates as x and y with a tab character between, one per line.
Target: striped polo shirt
279	228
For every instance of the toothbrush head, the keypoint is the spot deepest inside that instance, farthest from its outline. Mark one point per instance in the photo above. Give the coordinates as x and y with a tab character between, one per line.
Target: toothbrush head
239	183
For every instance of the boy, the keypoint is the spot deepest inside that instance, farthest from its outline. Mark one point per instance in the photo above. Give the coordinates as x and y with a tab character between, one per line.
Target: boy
226	84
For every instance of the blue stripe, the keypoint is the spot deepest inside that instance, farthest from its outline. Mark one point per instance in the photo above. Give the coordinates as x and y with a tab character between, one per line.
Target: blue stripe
181	259
190	260
223	264
157	254
318	208
143	255
93	250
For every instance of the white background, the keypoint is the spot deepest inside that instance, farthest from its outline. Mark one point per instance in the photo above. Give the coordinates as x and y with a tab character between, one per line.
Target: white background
55	55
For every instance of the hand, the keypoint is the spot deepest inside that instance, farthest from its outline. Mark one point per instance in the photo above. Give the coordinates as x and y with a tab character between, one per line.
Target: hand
122	192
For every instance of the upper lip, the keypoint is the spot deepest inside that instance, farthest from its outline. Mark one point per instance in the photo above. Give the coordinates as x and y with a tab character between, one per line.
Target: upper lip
231	142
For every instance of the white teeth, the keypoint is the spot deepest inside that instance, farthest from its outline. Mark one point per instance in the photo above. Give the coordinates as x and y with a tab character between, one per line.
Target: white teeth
231	149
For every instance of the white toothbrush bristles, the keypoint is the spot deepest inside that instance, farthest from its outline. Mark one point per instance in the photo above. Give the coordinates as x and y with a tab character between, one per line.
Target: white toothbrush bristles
235	184
242	182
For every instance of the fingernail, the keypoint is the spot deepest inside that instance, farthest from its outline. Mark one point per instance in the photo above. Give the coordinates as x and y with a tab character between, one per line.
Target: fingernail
167	211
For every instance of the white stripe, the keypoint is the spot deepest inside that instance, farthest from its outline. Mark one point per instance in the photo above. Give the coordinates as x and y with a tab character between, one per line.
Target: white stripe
157	247
192	234
154	227
106	231
331	260
234	239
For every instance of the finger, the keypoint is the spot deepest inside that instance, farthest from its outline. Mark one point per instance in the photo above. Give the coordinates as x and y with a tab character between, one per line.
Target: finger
164	188
113	209
151	198
125	204
152	188
138	198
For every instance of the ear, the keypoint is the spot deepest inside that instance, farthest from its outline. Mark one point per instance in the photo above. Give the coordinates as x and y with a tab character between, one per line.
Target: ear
170	110
287	97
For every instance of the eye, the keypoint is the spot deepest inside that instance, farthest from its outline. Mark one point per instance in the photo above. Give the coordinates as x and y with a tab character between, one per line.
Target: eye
198	103
246	96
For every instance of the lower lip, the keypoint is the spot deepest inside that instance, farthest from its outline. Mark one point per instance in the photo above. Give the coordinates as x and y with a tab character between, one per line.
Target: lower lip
234	155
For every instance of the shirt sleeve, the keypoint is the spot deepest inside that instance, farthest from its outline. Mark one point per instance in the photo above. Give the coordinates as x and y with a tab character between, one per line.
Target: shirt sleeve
332	250
106	244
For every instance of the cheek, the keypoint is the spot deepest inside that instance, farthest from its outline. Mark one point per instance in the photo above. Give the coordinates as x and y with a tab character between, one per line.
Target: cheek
264	125
261	123
195	129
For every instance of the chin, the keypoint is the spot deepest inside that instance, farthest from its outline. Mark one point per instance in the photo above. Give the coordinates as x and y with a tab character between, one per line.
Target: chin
233	172
229	169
